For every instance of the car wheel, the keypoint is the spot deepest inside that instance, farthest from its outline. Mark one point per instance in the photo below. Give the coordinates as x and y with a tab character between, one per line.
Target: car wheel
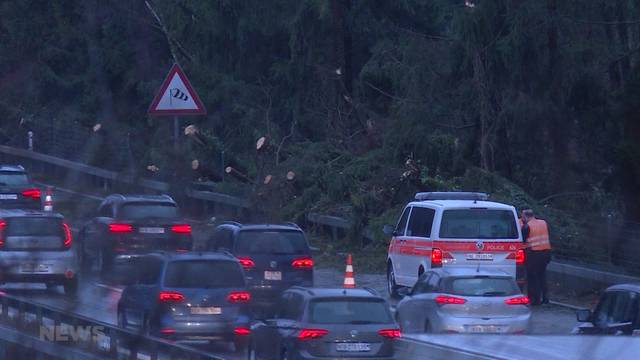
70	286
392	287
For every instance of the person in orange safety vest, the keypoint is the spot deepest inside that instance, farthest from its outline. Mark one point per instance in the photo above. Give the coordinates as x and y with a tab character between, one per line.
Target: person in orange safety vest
535	235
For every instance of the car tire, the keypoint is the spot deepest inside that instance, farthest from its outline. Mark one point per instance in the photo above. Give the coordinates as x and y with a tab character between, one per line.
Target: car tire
392	287
70	286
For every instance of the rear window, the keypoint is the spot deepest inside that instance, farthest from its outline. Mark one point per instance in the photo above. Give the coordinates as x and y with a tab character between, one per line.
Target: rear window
271	242
11	178
203	274
143	210
349	311
478	224
481	286
28	226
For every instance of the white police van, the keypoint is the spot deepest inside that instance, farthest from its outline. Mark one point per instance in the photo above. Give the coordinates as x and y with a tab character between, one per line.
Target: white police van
461	229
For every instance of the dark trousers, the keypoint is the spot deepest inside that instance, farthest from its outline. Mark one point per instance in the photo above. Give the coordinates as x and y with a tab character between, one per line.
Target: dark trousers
536	264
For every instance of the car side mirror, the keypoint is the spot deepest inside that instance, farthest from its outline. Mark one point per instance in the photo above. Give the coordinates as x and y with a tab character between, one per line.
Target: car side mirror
389	230
404	291
583	315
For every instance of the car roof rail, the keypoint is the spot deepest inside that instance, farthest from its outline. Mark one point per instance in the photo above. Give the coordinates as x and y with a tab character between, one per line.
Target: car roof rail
302	288
292	224
372	291
452	195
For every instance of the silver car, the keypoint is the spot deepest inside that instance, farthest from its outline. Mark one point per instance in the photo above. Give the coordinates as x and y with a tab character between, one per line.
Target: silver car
464	301
35	246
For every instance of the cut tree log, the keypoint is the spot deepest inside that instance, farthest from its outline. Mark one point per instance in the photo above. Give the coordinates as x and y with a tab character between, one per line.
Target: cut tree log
267	179
262	144
291	175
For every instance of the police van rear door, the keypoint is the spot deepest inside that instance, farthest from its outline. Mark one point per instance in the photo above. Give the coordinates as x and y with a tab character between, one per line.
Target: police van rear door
479	236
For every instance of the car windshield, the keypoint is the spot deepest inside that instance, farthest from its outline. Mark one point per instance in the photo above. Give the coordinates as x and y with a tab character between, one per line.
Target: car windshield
478	224
271	242
481	286
143	210
203	274
13	178
32	226
348	311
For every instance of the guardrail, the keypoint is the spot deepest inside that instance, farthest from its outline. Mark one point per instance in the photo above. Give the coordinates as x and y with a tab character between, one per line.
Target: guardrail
61	334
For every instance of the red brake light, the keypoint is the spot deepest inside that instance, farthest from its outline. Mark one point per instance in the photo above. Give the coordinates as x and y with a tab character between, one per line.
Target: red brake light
3	224
307	334
449	300
181	228
519	300
304	263
389	333
32	193
436	257
238	297
518	256
170	296
120	228
67	235
246	262
242	330
167	331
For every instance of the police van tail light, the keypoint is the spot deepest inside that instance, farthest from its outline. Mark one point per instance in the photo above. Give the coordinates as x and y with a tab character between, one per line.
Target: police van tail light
3	226
437	255
67	235
518	256
449	300
519	300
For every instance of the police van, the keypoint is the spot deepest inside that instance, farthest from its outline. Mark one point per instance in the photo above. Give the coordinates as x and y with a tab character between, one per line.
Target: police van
458	229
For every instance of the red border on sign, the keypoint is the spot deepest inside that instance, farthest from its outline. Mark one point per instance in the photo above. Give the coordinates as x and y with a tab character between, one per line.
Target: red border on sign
176	69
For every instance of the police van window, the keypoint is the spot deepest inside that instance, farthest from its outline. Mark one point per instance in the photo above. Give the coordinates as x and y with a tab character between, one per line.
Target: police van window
478	224
402	224
420	222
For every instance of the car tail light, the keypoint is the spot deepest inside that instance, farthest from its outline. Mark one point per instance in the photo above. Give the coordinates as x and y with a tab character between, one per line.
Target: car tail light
32	193
449	300
170	296
3	225
436	257
246	262
238	297
120	228
519	300
181	228
67	235
389	333
518	256
302	263
242	330
167	331
307	334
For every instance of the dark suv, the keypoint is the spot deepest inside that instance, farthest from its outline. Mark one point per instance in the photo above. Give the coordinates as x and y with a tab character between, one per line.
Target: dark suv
316	323
192	297
617	312
16	189
274	257
127	225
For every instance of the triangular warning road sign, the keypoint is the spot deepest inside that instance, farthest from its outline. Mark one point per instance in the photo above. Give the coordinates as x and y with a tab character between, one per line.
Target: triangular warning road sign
176	96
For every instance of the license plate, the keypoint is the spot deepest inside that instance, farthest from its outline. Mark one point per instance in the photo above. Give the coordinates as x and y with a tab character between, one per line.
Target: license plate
206	310
34	268
485	329
353	347
8	197
151	230
273	275
480	256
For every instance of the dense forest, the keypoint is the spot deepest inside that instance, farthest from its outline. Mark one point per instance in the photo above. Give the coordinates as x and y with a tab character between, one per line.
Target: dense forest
363	102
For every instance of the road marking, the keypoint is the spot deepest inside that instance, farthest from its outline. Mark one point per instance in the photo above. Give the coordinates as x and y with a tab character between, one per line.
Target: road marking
109	287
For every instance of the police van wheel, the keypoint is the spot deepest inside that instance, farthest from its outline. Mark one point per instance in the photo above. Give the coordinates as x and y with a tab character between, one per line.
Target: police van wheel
392	287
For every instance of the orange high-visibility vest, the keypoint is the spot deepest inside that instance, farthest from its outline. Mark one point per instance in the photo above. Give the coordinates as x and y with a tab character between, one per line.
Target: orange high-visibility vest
538	235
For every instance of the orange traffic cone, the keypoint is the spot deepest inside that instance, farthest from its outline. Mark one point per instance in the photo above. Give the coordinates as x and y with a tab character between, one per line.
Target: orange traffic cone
349	280
48	200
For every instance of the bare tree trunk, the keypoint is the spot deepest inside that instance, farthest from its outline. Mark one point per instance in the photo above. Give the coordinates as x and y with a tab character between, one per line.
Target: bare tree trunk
487	115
